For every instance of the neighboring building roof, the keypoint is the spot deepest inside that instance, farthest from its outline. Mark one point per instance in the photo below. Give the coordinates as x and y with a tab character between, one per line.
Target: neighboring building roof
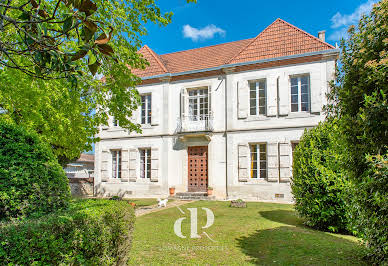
278	40
86	158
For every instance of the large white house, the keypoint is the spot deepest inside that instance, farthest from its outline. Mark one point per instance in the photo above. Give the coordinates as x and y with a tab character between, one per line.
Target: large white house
225	116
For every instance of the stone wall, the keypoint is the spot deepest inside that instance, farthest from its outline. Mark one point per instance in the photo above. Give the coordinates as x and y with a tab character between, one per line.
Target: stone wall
81	187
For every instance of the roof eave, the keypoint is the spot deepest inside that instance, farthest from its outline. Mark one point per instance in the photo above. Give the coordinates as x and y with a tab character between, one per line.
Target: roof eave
324	52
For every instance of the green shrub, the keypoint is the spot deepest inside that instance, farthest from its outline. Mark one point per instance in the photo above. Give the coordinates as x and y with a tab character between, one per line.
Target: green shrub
31	180
91	232
368	201
318	184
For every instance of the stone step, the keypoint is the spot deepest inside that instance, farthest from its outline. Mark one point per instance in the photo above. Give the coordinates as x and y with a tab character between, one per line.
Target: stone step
192	196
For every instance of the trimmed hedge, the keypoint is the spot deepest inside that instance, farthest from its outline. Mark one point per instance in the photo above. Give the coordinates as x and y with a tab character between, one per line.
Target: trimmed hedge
92	232
31	179
318	183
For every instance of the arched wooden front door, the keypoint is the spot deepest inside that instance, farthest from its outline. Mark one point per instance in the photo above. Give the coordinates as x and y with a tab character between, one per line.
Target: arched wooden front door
197	165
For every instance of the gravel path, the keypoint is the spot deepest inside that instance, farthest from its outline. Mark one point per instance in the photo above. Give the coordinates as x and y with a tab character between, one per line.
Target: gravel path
154	208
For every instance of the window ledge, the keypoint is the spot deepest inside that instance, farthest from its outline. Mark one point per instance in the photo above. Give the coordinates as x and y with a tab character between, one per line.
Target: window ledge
114	129
146	126
299	115
252	181
114	180
257	118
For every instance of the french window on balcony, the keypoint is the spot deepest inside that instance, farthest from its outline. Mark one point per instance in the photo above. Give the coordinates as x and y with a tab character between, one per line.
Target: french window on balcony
195	110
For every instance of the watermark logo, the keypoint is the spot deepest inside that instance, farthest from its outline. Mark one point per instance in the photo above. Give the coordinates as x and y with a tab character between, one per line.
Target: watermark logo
194	223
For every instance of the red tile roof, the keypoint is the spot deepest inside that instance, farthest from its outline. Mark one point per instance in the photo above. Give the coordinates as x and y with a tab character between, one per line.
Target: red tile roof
277	40
86	158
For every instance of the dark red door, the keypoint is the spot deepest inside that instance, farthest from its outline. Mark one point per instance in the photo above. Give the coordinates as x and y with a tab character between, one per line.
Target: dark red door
197	169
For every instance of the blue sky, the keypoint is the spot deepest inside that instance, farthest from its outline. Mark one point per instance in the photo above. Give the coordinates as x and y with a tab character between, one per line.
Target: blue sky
212	22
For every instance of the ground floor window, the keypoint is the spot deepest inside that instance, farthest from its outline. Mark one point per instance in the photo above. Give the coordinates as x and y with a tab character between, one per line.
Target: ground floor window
145	163
116	164
258	160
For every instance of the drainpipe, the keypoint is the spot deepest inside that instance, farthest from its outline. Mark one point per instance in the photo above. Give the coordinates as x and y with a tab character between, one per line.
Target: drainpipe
277	98
226	72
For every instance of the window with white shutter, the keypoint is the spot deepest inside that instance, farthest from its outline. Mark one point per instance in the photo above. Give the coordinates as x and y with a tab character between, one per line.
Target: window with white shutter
300	93
116	163
258	163
257	97
145	163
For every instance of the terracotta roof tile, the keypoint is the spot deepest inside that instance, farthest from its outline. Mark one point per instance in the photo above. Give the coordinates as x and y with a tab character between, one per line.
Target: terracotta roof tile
277	40
156	67
201	58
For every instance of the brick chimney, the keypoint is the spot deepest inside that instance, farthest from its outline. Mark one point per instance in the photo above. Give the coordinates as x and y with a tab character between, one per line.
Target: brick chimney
321	35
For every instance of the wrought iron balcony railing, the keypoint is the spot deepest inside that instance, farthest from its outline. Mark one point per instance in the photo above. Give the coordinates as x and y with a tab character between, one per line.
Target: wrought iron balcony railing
195	123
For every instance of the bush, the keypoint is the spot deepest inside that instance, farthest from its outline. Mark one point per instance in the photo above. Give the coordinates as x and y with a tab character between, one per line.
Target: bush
31	180
369	208
91	232
318	184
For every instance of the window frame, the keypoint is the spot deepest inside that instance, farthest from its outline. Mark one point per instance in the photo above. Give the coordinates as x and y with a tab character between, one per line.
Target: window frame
299	80
116	172
258	161
199	105
257	97
145	165
147	109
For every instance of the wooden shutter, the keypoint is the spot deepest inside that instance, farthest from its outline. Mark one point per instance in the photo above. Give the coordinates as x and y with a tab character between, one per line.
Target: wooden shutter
156	101
183	103
284	95
273	162
243	162
125	165
243	99
154	164
132	164
284	162
271	94
315	93
105	156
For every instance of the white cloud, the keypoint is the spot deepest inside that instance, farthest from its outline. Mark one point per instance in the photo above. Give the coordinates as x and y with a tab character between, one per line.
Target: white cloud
341	22
207	32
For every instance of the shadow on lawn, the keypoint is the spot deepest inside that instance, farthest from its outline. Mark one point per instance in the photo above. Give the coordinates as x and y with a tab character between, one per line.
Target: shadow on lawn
283	216
299	246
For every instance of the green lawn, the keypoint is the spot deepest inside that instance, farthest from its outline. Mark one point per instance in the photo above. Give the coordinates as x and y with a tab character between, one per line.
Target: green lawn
143	202
263	233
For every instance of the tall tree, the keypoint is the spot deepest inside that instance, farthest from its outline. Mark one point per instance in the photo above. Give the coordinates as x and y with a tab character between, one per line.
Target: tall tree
360	101
47	79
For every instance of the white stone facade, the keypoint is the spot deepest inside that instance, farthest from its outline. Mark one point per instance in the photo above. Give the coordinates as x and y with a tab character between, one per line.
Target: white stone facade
228	133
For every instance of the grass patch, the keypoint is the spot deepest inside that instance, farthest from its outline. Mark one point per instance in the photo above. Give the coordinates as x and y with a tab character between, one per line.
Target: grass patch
144	202
262	233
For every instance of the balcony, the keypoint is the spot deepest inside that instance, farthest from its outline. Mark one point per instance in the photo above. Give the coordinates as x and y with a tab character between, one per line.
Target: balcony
195	123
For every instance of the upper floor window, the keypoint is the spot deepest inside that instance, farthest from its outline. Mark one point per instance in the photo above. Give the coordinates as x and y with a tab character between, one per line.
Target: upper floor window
258	160
257	97
146	109
198	103
145	163
300	99
115	122
116	164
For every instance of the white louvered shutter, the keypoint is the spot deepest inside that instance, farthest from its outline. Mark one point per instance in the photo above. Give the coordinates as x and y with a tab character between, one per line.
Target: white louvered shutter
315	93
105	156
285	162
183	103
155	110
154	165
273	162
243	99
132	164
243	162
271	96
284	95
125	165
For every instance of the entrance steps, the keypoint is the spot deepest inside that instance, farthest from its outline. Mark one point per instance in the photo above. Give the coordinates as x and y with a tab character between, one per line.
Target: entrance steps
192	196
